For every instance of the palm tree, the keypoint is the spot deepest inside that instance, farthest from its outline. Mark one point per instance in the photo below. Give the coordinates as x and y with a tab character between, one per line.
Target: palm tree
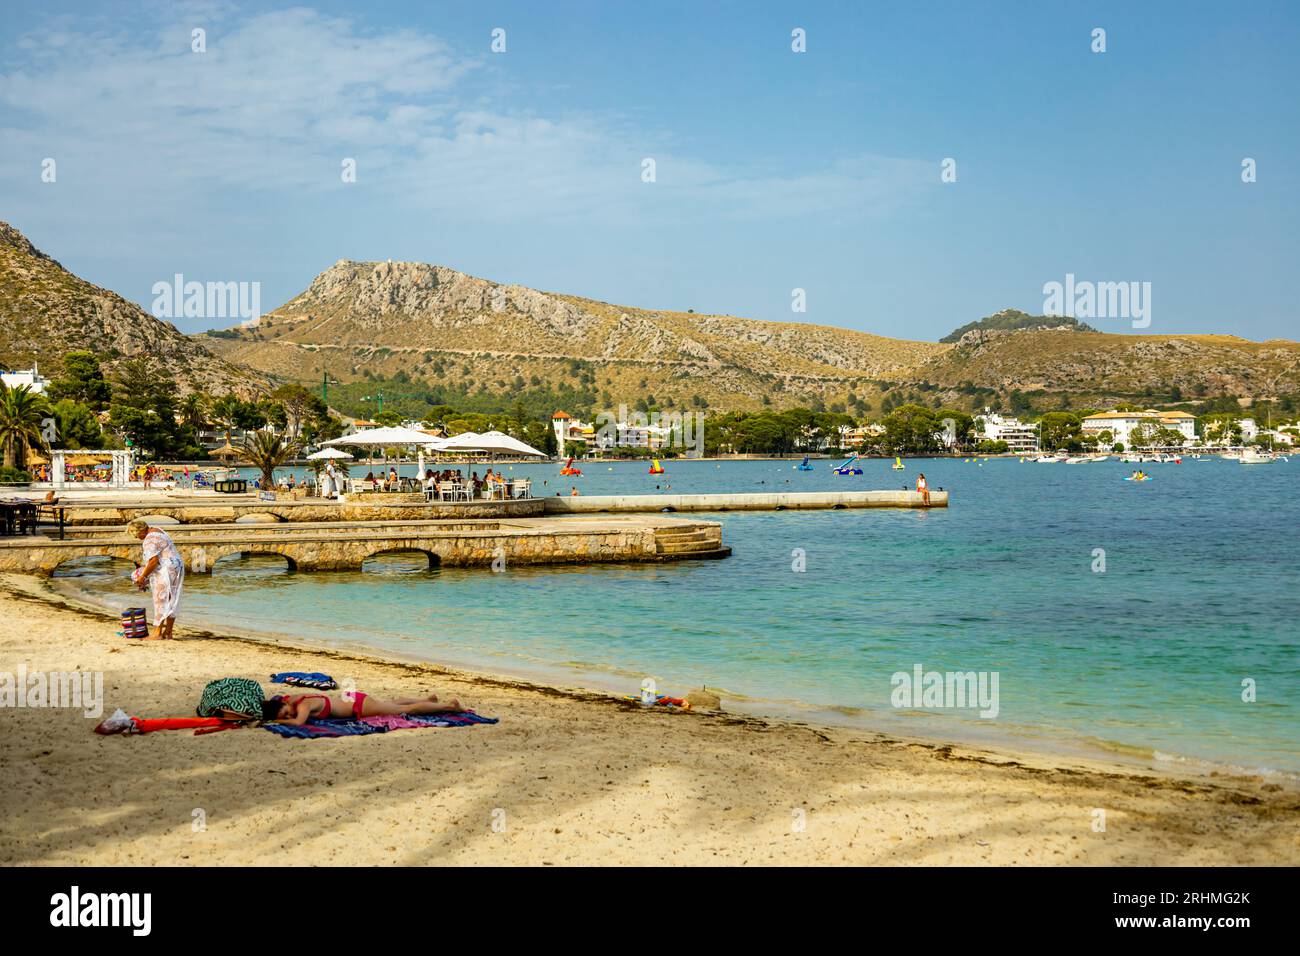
267	451
225	411
22	413
194	410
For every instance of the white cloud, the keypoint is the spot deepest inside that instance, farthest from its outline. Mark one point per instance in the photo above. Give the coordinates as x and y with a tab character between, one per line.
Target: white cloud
279	99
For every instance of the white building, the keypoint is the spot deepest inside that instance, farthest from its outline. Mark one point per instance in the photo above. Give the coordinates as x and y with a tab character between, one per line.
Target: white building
32	378
625	435
860	435
1121	425
569	430
1020	436
358	425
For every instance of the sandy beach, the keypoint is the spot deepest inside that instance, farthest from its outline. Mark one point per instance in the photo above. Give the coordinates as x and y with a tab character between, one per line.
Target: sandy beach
566	777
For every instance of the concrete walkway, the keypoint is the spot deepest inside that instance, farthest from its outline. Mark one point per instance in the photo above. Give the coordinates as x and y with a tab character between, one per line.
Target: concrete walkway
774	501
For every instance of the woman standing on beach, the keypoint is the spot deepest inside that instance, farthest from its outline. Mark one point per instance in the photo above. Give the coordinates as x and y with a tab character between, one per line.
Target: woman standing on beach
164	572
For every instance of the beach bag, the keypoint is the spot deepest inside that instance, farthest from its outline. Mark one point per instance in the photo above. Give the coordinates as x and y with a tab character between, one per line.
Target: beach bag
232	697
134	624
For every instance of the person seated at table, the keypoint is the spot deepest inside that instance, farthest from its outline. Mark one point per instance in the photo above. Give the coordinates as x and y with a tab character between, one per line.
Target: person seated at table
392	479
477	482
489	477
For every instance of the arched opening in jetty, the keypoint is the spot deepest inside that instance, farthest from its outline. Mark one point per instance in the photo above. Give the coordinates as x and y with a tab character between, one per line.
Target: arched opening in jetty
260	517
400	561
255	563
160	521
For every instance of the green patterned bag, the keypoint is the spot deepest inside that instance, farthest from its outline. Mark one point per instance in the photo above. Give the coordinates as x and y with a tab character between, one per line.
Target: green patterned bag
236	698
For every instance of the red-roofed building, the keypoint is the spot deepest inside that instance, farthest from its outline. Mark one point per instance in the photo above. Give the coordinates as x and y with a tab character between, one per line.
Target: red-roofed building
569	429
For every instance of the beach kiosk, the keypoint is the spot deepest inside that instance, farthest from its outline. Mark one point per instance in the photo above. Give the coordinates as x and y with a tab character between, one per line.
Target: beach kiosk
118	476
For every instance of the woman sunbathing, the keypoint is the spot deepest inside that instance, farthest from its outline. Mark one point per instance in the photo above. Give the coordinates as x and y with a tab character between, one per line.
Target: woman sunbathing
301	708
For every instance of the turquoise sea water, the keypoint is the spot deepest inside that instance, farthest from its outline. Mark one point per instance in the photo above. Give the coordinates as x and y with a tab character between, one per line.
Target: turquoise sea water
1201	590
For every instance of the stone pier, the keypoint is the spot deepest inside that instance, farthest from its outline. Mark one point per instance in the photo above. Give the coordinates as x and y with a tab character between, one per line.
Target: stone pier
342	547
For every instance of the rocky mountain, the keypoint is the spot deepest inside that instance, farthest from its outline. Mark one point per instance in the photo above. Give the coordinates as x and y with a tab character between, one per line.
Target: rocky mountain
1096	368
430	321
1013	320
46	311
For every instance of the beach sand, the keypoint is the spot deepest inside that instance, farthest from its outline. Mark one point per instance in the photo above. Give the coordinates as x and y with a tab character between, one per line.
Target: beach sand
565	778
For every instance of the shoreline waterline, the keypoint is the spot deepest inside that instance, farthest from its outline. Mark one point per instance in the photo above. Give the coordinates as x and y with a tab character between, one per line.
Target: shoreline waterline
1051	746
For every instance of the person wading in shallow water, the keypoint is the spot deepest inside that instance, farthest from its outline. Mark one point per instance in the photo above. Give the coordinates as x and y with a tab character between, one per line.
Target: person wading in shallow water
163	572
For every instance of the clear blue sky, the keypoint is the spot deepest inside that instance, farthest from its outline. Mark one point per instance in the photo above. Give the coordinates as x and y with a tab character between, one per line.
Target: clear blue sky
775	170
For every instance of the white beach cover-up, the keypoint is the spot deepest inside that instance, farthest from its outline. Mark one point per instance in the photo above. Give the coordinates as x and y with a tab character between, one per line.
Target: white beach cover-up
168	579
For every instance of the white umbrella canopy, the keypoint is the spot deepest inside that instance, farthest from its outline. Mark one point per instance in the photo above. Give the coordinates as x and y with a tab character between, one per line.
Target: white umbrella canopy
383	437
494	442
465	441
328	453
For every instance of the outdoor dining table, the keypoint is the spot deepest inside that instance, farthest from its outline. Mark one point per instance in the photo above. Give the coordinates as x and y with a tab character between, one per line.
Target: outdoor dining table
18	515
510	488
